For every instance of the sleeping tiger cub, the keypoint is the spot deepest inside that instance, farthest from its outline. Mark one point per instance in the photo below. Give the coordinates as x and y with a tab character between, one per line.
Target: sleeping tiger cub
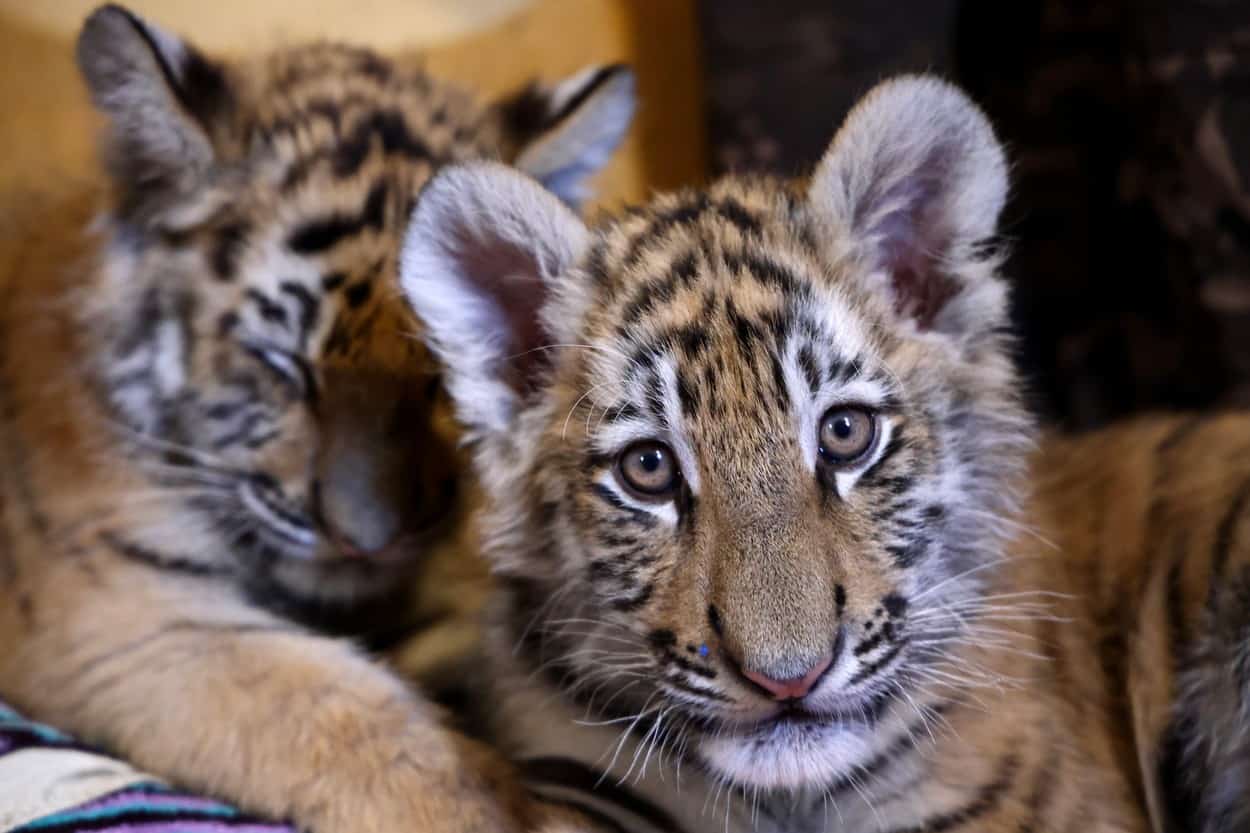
779	548
217	419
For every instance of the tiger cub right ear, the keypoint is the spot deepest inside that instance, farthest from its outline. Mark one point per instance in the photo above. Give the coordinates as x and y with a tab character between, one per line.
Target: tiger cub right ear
563	134
915	181
161	98
485	265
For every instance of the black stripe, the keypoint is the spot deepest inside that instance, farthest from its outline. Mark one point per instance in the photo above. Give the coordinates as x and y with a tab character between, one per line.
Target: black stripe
893	447
738	215
852	369
572	774
873	667
270	310
320	235
620	413
1042	795
688	395
705	694
198	84
586	810
807	362
900	746
909	554
23	738
309	307
655	293
681	215
162	561
1178	774
391	129
766	271
240	433
148	816
358	293
220	411
988	797
1178	625
588	89
229	242
1180	433
1224	538
634	603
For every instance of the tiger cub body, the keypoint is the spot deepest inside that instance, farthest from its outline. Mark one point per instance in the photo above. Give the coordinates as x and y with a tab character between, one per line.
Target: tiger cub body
219	421
779	548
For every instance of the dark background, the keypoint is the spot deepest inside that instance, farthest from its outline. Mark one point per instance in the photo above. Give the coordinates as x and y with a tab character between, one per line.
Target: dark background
1128	129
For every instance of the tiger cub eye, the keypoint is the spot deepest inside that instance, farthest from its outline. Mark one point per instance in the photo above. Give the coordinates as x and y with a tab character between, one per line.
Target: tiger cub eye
649	470
847	433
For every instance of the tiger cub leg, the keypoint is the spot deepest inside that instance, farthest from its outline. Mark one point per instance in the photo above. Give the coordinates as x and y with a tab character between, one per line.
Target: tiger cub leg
185	680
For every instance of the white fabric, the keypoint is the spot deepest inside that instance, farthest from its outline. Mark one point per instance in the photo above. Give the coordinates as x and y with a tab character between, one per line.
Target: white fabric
39	782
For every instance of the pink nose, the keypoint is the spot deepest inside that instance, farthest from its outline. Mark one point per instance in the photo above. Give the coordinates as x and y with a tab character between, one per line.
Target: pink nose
794	689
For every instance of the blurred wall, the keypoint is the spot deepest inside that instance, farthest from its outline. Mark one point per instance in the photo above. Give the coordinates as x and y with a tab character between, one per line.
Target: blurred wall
48	130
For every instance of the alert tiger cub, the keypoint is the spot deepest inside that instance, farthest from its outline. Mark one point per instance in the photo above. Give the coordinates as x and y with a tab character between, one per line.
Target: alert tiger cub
218	421
779	548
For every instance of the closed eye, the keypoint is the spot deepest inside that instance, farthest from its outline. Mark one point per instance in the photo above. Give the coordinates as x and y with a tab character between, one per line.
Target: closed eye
287	366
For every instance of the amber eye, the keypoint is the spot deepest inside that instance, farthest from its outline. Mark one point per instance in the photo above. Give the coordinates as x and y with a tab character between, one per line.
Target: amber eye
847	433
649	470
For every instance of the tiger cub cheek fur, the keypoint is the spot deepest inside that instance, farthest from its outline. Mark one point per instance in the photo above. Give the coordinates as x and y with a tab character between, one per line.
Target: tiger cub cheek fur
722	328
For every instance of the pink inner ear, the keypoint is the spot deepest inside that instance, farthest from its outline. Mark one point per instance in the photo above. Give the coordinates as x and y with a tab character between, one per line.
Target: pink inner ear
508	277
920	293
915	238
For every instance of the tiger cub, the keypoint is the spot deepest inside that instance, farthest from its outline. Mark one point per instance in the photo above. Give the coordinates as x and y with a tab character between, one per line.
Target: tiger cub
779	547
217	419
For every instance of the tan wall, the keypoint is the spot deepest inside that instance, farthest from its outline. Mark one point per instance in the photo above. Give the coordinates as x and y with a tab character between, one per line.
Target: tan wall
47	128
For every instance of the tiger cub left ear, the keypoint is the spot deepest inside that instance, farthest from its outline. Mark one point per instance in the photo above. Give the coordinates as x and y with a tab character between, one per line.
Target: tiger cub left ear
486	265
563	134
913	184
164	102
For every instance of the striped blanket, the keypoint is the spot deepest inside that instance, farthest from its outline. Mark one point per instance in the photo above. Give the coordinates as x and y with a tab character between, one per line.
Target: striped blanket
51	784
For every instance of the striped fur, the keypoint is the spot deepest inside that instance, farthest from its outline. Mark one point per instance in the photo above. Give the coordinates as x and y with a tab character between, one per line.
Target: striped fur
1006	635
218	420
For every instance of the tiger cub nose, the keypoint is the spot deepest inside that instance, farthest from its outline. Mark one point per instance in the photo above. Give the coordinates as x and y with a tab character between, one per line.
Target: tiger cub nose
792	689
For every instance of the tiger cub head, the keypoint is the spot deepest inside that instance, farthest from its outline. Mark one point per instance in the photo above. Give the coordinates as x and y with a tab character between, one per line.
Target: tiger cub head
248	337
748	449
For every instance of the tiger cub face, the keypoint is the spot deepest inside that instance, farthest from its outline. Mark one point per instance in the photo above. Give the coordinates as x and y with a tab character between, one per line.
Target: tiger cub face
247	335
748	449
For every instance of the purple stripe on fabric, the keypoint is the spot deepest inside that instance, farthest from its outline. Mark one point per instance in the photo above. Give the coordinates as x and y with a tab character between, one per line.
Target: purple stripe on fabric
140	798
170	826
5	744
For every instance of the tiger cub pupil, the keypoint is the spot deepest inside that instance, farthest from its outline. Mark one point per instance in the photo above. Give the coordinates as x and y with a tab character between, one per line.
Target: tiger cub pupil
846	434
649	468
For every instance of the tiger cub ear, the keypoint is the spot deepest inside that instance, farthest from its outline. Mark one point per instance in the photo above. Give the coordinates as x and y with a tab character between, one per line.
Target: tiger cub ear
915	181
486	265
161	97
563	134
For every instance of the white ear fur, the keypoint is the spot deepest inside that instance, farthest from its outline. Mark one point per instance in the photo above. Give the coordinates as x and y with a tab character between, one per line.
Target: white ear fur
587	115
480	265
160	96
916	180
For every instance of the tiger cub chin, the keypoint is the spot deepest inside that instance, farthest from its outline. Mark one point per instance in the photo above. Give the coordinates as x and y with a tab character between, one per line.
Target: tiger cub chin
216	418
779	547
